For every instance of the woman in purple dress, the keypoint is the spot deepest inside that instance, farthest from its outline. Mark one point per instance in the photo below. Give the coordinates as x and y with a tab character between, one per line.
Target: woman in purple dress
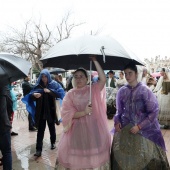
137	143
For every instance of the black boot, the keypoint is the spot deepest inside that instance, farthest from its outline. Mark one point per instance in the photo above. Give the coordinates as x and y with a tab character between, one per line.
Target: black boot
53	146
38	153
166	127
33	129
14	133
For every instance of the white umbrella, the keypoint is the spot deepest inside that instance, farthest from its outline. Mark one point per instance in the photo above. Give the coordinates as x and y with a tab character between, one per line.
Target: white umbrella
72	53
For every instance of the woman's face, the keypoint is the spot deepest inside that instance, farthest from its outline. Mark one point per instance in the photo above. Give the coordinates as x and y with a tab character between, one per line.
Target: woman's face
130	76
44	79
121	75
162	73
80	79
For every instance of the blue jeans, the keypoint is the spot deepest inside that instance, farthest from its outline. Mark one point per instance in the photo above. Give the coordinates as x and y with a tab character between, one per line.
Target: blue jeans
5	147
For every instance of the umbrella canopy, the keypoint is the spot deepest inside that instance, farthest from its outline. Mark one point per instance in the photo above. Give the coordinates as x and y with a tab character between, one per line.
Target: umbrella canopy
73	52
57	71
12	68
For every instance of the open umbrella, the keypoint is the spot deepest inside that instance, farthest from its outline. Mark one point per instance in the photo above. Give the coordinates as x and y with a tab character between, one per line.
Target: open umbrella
156	74
57	70
12	68
73	52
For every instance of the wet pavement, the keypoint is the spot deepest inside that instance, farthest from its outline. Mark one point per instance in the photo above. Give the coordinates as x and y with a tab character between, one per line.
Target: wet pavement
23	146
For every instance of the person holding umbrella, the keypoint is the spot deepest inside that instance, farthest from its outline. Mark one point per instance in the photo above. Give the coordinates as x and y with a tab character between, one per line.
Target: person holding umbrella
137	142
5	127
85	142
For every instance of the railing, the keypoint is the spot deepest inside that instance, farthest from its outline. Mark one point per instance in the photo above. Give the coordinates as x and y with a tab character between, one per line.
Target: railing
21	110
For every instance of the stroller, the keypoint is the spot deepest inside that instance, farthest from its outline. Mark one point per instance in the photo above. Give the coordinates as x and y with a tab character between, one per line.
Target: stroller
111	102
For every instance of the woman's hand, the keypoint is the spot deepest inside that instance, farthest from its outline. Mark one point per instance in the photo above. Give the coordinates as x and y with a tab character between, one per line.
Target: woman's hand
134	129
37	95
118	127
88	109
93	57
46	90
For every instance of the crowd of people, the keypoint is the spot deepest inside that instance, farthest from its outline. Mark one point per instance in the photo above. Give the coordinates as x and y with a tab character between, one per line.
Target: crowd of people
86	142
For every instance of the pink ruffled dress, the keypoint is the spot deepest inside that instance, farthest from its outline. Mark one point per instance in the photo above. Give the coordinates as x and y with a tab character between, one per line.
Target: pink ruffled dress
86	141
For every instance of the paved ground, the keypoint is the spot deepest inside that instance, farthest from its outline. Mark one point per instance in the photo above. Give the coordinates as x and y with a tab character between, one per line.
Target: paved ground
23	146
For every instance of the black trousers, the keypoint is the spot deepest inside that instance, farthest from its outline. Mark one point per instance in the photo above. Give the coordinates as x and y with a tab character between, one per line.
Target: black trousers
30	122
40	133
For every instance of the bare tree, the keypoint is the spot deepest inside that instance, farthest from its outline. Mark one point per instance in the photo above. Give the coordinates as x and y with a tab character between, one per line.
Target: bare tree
35	39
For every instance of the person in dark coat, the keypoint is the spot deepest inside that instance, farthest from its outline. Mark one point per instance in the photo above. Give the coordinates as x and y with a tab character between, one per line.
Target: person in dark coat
27	87
111	81
5	127
69	83
57	79
45	93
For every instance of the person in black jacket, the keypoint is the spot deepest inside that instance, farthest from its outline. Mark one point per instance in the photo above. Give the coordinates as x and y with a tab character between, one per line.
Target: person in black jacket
27	87
45	93
69	83
5	127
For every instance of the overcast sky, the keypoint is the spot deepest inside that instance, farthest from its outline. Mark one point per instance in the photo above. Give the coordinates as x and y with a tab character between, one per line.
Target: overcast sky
142	25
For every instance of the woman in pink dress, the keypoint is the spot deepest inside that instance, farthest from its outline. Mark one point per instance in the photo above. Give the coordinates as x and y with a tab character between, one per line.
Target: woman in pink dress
85	142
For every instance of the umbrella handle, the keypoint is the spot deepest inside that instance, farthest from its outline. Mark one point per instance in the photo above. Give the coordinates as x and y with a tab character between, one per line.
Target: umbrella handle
102	51
90	81
90	84
89	105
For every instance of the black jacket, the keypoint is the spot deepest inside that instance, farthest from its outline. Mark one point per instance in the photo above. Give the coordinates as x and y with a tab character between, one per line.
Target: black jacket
5	109
26	87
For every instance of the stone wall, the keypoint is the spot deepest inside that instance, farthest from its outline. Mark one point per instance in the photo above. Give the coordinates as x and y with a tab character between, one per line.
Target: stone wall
155	64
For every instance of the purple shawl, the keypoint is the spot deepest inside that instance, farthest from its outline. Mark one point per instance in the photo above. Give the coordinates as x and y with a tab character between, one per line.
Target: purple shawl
139	106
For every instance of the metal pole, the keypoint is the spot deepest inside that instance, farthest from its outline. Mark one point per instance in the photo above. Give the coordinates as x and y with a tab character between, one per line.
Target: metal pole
90	81
90	84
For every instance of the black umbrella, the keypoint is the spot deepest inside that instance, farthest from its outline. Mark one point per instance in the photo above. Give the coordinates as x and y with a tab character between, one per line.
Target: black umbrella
74	52
57	71
12	68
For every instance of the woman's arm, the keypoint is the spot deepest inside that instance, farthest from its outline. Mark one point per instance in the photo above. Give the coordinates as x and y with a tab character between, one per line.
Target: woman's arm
87	110
119	111
100	71
152	109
